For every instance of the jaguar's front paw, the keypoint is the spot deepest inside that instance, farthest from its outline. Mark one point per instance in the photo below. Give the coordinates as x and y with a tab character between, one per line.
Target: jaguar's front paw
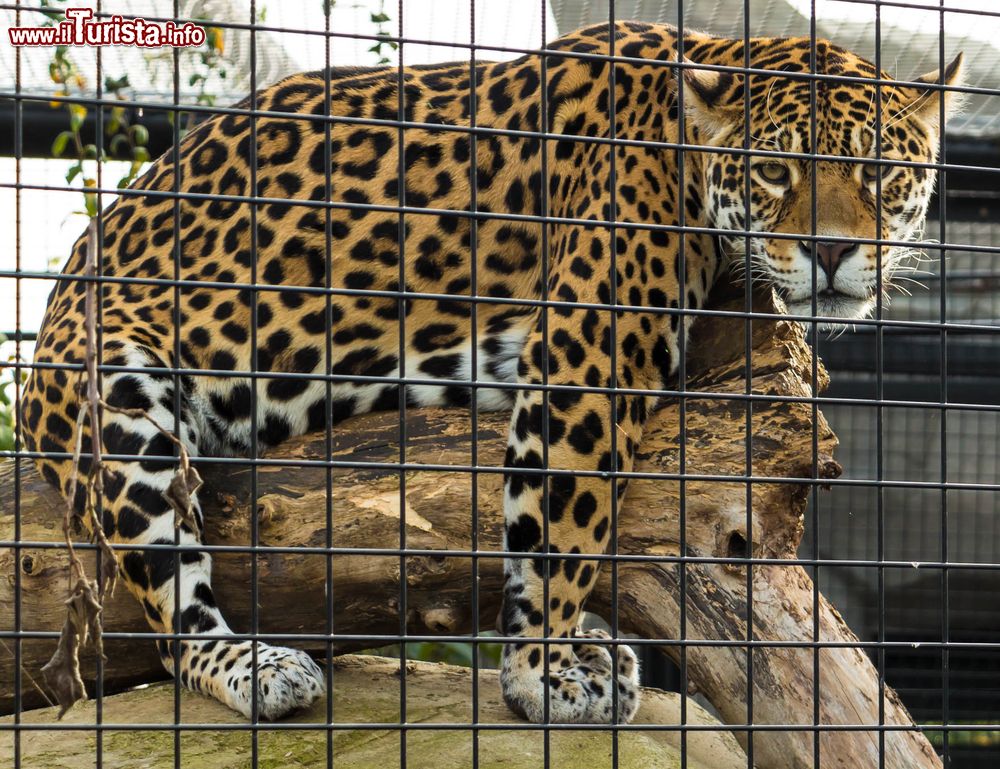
581	684
287	679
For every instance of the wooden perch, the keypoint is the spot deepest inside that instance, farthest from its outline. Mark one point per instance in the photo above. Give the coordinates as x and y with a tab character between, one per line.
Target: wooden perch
367	691
292	511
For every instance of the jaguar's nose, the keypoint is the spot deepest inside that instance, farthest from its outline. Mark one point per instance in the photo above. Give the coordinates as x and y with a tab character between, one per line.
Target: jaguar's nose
829	254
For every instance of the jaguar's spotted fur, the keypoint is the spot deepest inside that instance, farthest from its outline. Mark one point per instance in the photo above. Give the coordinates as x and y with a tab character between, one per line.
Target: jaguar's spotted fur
571	347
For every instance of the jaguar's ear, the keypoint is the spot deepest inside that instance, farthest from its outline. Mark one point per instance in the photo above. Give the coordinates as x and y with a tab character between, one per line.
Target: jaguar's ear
712	100
926	102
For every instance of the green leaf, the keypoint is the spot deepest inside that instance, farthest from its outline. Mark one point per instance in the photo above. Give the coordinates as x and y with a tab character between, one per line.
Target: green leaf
120	146
77	114
115	121
380	18
139	134
140	154
115	84
60	142
73	172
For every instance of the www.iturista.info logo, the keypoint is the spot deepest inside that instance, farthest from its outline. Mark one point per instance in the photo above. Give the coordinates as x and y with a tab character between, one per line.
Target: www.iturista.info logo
80	28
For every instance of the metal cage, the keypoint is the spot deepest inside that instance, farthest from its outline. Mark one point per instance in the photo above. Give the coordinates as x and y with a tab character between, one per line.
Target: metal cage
905	545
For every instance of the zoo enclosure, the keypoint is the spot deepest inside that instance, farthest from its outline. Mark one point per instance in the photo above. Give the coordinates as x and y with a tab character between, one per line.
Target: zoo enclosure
917	388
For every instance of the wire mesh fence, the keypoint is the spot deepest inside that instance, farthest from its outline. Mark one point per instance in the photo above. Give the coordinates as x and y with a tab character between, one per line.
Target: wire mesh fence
574	321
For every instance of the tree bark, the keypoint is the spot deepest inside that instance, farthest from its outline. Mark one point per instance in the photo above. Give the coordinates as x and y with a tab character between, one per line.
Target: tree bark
366	508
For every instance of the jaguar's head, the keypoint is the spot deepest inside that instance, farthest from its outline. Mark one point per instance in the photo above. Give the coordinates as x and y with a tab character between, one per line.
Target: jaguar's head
862	192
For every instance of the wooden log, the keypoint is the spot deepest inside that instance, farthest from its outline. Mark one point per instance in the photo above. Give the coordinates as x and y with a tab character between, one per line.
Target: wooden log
366	690
292	511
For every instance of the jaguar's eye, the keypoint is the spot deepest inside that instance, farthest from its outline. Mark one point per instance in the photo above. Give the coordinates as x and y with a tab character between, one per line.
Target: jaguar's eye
871	172
773	173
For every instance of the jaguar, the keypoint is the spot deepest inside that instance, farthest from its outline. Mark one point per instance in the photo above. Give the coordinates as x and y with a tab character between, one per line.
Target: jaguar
562	212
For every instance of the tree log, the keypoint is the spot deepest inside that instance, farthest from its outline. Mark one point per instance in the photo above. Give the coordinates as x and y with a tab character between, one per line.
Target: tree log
292	510
366	690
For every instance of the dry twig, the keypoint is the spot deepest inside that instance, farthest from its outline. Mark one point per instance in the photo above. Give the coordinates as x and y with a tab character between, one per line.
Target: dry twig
83	606
86	597
186	481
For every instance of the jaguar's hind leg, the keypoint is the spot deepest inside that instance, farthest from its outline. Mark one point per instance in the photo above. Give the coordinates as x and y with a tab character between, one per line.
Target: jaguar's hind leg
174	585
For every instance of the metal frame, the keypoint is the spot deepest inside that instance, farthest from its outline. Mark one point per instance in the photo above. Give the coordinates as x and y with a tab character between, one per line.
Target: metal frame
24	103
